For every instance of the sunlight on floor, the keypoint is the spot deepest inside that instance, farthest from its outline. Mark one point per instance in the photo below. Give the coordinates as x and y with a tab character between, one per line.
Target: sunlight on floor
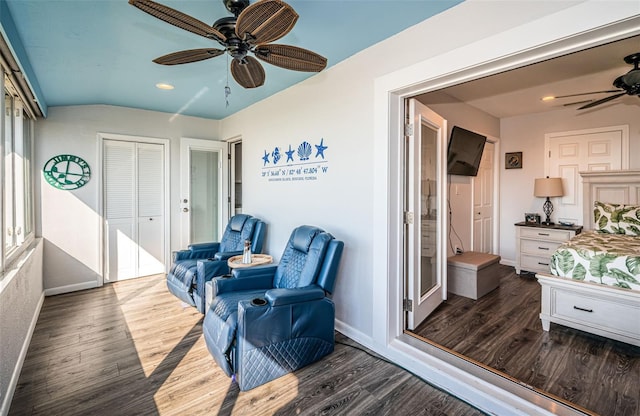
151	346
167	338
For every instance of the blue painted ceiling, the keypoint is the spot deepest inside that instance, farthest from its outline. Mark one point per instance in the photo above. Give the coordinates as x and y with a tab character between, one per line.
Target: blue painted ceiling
101	51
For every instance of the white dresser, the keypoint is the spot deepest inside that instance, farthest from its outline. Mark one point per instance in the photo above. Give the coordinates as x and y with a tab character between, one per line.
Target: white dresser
536	243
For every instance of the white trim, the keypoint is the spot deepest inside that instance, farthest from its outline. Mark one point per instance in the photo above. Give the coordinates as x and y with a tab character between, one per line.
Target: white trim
70	288
101	137
484	57
13	383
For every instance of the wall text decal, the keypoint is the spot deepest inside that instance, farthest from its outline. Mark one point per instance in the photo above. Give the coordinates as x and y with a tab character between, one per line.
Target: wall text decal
298	163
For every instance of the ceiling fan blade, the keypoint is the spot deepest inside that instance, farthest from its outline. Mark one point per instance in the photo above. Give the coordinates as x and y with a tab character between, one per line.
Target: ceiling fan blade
587	93
178	19
249	74
265	21
188	56
291	57
602	101
576	103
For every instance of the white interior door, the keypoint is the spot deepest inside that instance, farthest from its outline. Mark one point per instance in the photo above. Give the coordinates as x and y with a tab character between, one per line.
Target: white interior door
571	152
483	202
425	212
204	198
134	176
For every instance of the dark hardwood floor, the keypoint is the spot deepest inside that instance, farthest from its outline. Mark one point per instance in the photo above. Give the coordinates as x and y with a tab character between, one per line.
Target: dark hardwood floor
130	348
503	330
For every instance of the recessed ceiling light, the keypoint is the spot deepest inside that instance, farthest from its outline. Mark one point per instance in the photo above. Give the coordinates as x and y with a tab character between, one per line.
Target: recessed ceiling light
163	86
548	98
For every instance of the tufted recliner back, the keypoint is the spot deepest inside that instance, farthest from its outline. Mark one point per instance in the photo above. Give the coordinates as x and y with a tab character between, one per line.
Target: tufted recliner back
239	228
303	258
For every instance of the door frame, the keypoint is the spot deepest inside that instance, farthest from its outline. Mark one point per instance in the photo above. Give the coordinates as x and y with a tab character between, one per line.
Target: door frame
451	372
231	175
99	176
495	229
186	144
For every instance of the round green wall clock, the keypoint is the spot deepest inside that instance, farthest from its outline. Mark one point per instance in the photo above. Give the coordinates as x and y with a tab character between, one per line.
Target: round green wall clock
66	172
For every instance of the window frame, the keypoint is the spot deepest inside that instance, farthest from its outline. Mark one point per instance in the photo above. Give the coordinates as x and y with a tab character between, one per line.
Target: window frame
22	175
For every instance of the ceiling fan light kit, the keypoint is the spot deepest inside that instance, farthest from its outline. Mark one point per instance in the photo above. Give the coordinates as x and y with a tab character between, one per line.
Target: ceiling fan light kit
250	30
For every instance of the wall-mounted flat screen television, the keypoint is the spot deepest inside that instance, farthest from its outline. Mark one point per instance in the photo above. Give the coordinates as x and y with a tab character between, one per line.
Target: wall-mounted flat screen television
465	152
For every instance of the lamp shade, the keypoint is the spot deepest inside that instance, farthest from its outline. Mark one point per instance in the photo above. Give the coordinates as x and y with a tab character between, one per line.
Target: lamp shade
548	187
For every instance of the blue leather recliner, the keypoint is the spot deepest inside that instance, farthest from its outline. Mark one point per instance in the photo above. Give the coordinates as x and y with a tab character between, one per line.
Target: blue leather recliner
193	267
267	321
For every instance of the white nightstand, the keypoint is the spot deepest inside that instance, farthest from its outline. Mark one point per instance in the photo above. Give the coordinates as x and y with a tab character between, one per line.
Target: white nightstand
536	243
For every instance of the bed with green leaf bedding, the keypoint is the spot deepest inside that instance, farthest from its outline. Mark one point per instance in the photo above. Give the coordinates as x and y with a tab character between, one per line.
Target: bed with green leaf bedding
594	279
602	258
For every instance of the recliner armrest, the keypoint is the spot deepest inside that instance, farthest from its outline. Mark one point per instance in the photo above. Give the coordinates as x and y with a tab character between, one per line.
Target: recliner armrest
208	269
279	297
204	246
266	270
223	284
226	255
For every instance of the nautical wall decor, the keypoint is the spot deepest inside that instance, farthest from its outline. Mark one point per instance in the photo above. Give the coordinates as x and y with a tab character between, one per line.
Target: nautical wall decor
302	161
66	172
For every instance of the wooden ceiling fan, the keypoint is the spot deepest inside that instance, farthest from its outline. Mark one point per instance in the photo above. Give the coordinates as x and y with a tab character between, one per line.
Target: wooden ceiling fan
251	29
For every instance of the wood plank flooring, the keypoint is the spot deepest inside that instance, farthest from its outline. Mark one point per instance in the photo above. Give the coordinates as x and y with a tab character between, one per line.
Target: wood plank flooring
130	348
503	331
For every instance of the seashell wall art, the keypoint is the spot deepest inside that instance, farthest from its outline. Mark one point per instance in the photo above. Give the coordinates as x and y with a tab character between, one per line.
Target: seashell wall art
300	162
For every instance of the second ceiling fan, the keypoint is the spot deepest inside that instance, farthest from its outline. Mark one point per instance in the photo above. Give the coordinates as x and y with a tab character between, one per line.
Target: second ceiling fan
251	29
627	84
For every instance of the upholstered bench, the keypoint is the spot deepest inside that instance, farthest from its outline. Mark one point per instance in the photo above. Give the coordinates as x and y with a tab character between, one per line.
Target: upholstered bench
472	274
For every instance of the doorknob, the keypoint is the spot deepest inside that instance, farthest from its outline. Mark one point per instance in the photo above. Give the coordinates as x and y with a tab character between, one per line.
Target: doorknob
185	209
185	200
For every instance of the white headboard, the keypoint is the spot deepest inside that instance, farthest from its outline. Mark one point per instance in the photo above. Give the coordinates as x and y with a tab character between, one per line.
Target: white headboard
614	186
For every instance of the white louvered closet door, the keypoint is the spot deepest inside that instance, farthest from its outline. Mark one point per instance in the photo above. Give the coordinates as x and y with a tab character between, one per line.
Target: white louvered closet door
134	209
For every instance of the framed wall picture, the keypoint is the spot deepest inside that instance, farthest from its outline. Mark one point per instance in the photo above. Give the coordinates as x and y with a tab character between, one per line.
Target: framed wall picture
513	160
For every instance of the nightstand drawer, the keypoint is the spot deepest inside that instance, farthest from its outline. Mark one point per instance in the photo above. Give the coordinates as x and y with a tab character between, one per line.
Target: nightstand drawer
535	263
538	248
545	234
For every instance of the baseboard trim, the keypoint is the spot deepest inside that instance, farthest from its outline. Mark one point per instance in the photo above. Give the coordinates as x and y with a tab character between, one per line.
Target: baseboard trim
13	383
70	288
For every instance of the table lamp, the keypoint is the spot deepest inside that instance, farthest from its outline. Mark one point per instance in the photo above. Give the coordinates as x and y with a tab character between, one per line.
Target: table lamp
547	188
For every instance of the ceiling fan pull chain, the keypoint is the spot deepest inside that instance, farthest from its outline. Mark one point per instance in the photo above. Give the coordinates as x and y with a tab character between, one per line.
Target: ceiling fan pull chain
227	89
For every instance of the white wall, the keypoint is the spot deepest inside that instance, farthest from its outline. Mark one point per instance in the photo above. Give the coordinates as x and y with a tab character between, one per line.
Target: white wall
21	296
526	134
68	220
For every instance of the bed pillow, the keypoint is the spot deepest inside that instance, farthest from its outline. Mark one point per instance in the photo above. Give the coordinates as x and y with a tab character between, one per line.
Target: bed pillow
617	218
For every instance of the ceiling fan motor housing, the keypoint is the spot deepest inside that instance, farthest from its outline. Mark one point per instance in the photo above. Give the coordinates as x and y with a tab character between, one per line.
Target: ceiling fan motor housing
235	6
233	44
